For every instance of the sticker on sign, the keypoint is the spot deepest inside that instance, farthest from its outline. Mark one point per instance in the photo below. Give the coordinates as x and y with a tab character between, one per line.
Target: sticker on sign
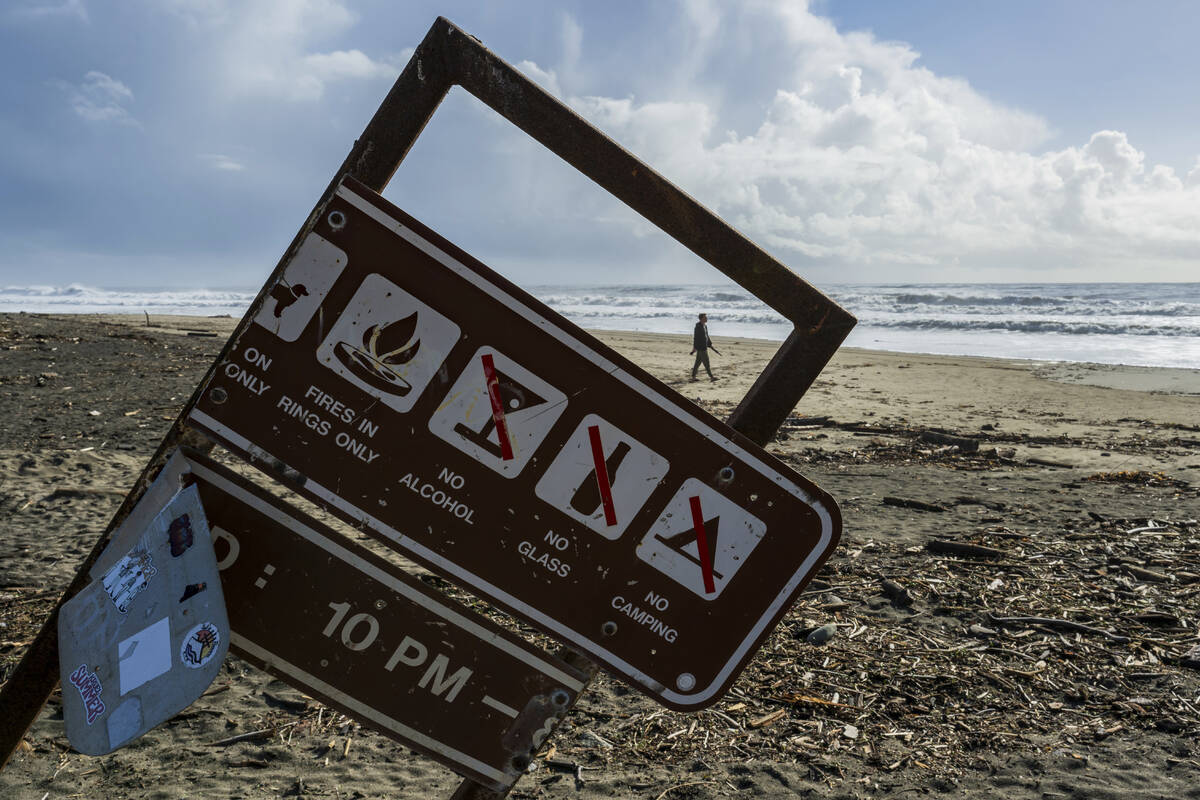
526	461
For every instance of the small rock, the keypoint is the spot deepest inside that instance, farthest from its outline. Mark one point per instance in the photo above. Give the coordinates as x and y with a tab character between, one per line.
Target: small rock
822	634
93	413
834	603
850	732
897	593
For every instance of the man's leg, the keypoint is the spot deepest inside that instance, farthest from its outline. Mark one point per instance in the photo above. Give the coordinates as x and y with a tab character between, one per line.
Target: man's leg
703	356
700	357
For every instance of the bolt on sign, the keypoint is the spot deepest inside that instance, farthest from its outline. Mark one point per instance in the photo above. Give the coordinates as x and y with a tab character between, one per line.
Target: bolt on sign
411	390
337	621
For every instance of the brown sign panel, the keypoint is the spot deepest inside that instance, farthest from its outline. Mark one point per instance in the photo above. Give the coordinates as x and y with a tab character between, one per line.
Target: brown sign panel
408	388
330	617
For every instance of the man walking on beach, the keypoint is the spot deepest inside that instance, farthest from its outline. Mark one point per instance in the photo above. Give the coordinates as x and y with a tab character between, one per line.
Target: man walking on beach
701	344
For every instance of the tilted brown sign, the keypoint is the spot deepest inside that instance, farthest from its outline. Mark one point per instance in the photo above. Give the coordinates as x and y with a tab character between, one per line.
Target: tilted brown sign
324	387
397	381
330	617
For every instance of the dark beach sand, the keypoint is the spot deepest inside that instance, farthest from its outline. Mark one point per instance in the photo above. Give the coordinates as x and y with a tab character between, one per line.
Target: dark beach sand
929	686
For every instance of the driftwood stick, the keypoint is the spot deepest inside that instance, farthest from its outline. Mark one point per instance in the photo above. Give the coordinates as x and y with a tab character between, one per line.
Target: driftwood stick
897	593
918	505
964	444
241	737
1143	574
964	549
1057	624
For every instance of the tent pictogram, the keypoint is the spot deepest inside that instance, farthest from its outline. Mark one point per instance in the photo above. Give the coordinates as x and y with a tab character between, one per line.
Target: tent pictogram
730	534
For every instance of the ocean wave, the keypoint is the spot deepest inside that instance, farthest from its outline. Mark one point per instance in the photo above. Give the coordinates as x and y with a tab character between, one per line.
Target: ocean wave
1047	319
976	300
1097	327
77	298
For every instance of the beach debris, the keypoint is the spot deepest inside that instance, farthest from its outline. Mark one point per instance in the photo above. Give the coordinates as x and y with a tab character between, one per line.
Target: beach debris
1058	625
943	547
262	733
1143	574
767	719
1048	462
822	634
917	505
1158	619
833	603
1139	477
1191	659
896	593
961	442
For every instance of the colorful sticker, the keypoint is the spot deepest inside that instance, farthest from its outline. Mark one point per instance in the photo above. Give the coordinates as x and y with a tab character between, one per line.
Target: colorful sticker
128	578
89	688
200	645
180	535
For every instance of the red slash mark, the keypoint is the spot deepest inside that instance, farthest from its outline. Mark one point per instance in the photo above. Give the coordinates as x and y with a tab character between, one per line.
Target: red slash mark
702	545
493	390
610	513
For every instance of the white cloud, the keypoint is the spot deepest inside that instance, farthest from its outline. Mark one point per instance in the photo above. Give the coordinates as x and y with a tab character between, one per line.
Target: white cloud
342	64
547	79
65	9
863	158
269	48
222	163
100	98
199	13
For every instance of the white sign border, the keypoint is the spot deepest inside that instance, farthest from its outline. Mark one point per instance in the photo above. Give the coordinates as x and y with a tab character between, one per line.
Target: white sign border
693	698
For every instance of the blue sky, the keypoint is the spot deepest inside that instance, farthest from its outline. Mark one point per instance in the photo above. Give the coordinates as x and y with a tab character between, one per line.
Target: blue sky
181	143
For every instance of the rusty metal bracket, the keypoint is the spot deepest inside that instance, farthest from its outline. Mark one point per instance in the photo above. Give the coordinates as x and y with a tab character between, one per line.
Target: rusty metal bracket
448	57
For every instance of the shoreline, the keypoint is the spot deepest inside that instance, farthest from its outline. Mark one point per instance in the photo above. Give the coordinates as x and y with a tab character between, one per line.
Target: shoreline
1127	377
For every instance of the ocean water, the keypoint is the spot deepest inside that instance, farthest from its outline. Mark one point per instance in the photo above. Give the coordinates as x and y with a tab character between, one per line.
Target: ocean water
1149	324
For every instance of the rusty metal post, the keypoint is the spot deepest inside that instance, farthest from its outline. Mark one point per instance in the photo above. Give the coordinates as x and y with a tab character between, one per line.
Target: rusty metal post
470	790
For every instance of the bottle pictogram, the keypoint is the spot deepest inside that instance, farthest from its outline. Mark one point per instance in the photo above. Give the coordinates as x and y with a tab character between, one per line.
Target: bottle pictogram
602	477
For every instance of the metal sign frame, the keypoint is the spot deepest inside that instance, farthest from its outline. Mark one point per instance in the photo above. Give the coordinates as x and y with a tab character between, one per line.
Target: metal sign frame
450	57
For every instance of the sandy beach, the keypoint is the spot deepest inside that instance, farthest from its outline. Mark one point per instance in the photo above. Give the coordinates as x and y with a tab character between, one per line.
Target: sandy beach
1016	593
